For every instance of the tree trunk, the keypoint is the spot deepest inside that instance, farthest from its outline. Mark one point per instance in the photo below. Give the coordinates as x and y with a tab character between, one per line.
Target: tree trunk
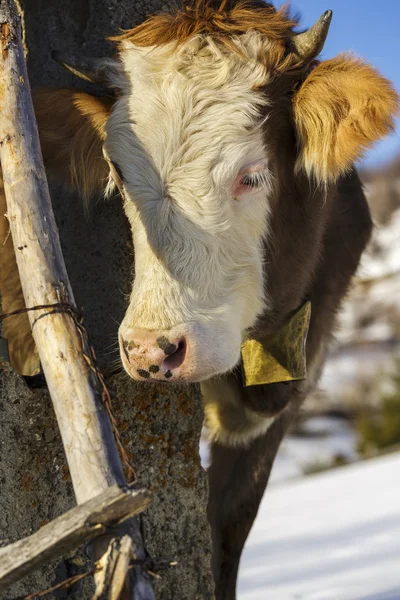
160	426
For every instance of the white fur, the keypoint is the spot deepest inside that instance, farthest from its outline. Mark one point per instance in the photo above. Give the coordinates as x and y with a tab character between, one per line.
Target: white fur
187	123
227	420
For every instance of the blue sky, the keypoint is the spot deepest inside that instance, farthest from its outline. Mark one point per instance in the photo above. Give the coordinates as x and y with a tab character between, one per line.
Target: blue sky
370	29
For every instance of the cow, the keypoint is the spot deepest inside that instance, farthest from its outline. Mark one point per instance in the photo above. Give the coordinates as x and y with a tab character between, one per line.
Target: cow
233	148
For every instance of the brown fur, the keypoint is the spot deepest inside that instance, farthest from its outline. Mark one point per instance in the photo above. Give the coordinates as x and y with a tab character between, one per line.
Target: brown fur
16	330
72	129
342	108
220	20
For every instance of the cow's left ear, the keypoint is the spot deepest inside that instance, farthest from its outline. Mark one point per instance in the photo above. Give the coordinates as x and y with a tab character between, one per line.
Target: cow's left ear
340	110
72	132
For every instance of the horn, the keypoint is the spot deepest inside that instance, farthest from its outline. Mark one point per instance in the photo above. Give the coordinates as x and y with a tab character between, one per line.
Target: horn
310	43
94	70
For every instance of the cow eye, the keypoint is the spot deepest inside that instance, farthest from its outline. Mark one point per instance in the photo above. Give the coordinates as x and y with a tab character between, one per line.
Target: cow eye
249	181
252	178
255	180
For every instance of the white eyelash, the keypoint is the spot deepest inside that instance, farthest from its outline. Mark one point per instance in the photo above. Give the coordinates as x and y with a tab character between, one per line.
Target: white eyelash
257	179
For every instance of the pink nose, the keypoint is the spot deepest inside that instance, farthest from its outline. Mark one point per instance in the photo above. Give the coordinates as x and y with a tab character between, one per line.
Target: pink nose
152	355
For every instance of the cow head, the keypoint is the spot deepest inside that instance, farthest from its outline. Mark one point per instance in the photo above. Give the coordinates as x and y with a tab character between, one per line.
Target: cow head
191	142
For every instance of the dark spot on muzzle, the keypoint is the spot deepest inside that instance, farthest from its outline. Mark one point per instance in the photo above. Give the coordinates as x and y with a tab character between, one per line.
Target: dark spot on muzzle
143	373
168	374
165	345
129	345
154	368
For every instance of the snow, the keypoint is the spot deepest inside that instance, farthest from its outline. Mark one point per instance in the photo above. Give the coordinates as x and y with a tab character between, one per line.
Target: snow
324	440
352	365
386	256
371	312
331	536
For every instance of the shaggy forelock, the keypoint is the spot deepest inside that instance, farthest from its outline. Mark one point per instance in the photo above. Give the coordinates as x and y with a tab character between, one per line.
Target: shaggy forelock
221	20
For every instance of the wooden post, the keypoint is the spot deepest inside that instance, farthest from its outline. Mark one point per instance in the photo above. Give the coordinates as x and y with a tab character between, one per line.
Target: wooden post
74	387
69	531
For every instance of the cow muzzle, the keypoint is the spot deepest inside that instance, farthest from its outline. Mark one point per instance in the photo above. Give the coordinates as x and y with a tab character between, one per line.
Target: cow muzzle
182	353
154	355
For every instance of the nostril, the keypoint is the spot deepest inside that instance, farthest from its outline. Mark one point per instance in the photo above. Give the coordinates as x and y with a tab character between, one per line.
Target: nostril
164	343
176	358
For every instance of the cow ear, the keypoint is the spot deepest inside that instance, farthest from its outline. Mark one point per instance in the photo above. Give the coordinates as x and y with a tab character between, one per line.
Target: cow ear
72	131
340	110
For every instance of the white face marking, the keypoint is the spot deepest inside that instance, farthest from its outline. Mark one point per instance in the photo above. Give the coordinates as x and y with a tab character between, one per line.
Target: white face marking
187	137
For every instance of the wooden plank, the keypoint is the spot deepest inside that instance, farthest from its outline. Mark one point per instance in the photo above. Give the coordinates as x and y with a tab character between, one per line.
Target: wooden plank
69	531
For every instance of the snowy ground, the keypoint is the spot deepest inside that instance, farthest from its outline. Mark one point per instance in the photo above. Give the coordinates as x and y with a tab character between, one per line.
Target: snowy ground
324	439
331	536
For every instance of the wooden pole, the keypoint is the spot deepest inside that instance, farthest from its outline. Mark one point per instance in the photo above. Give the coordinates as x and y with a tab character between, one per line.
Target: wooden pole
75	391
69	531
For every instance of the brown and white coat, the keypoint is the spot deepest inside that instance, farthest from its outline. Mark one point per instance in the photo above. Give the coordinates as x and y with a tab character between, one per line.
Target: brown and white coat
233	148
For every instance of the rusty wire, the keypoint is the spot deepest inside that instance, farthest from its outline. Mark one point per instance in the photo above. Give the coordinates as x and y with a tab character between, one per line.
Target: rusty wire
90	358
65	584
70	581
